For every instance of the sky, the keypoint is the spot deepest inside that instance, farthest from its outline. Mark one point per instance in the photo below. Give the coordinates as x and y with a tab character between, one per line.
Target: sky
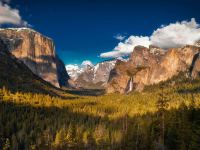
96	30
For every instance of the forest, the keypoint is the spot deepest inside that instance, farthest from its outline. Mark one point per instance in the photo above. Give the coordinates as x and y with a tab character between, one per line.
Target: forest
164	116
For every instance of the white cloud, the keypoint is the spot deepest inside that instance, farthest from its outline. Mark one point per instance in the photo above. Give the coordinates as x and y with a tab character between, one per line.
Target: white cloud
173	35
119	37
9	15
125	48
176	34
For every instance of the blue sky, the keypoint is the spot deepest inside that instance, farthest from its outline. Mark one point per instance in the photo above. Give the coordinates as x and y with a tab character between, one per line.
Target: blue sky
83	29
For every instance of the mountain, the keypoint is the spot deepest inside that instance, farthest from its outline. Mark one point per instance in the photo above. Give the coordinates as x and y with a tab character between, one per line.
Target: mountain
37	52
90	76
148	66
74	71
62	74
197	43
16	76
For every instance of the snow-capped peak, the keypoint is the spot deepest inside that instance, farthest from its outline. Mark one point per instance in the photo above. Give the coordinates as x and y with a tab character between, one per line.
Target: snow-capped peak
86	63
73	70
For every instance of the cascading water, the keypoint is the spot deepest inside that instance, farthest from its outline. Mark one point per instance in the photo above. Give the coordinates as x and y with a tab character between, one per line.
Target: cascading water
130	85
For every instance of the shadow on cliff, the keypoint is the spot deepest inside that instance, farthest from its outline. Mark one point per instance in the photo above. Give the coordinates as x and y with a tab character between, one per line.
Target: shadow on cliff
45	65
39	125
17	77
196	56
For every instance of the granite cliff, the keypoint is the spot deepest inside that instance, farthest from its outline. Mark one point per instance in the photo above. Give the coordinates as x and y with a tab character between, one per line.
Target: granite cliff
17	77
148	66
37	52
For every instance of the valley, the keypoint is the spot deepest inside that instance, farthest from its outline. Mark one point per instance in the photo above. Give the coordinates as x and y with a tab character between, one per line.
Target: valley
149	101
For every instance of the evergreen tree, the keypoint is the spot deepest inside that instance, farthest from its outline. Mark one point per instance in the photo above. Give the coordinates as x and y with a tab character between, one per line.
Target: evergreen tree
71	136
59	139
1	95
195	141
91	141
14	142
162	105
7	145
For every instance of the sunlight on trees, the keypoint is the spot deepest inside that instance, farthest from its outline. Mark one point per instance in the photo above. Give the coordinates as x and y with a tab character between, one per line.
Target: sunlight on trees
157	118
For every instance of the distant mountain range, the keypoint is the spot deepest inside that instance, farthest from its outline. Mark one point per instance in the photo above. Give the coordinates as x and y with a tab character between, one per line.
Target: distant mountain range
91	76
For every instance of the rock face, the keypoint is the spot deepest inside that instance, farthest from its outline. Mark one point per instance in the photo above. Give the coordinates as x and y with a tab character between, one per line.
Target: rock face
16	76
93	76
197	43
152	65
74	71
37	52
62	74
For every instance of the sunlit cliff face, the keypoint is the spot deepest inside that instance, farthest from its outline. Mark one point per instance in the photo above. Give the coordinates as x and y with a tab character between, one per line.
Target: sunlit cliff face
35	50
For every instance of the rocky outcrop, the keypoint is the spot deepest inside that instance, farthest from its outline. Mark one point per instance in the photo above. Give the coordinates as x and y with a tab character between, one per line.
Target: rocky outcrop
152	65
197	43
37	52
16	76
90	77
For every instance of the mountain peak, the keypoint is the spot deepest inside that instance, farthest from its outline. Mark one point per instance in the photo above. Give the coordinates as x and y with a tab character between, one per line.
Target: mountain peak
91	76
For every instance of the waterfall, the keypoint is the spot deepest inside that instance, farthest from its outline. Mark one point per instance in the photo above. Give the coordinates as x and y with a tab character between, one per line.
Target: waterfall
130	85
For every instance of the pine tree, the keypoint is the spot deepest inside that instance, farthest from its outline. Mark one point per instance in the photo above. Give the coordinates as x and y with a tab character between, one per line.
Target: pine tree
1	95
91	141
71	135
137	137
47	139
162	105
14	142
6	146
59	139
195	143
